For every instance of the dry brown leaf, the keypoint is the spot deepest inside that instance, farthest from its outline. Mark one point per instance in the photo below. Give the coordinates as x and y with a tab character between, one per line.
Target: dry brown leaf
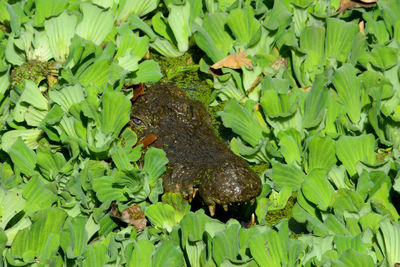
51	80
254	84
132	216
361	25
139	90
234	61
350	4
306	89
147	55
279	63
148	140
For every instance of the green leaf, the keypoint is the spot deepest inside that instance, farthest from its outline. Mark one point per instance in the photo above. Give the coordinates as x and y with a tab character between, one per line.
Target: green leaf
269	249
96	23
377	86
351	149
317	189
344	243
316	102
339	37
321	153
279	200
38	196
141	253
16	16
11	54
178	20
11	203
382	201
312	41
162	216
120	158
193	226
348	86
45	9
155	161
376	28
42	239
149	72
278	17
166	254
286	175
244	26
30	137
74	237
371	220
382	57
136	23
33	96
242	123
277	105
115	112
165	47
68	96
130	50
225	245
50	163
161	26
138	7
389	241
261	152
212	38
180	205
34	117
353	258
106	189
336	225
23	157
59	31
96	255
97	74
290	145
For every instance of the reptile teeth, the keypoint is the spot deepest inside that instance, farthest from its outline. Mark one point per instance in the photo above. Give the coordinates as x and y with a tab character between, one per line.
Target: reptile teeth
252	221
195	192
225	206
211	208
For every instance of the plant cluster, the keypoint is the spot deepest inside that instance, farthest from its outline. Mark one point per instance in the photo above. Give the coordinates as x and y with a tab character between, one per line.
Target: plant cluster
313	92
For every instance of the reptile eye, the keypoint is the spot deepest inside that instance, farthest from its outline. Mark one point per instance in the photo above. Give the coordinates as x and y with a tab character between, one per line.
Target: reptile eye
137	121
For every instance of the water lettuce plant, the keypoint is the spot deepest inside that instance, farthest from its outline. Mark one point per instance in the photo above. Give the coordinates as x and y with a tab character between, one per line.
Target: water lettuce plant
319	103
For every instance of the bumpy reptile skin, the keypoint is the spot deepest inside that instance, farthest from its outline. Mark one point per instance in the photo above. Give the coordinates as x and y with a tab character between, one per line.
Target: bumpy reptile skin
197	157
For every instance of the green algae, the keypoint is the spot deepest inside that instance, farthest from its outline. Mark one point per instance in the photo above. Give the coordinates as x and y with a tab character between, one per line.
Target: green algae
260	168
276	216
184	73
33	70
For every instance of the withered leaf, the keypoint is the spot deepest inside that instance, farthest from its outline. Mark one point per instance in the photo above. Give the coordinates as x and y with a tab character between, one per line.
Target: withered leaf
137	91
148	140
51	80
279	63
361	25
234	61
254	84
131	216
350	4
